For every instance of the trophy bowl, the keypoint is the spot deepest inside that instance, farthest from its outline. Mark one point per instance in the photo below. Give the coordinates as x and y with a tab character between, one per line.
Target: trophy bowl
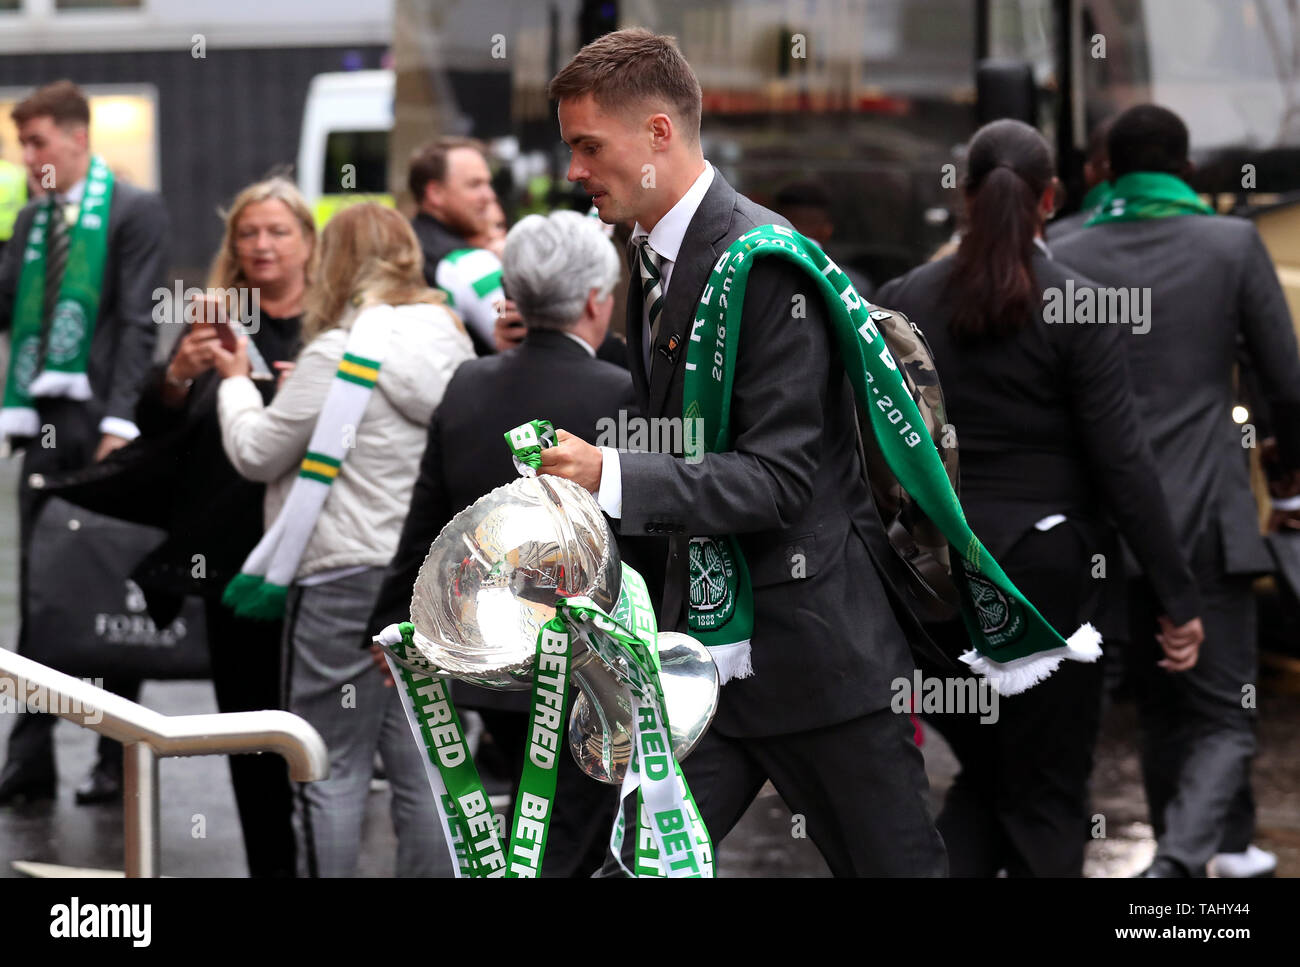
492	577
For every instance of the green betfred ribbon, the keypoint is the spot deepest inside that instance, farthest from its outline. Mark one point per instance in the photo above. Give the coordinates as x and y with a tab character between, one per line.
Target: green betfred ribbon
678	844
1013	645
1145	195
527	442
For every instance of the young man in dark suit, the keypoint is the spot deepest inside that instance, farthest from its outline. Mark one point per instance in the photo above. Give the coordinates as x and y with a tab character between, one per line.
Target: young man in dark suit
815	715
1211	288
561	271
53	126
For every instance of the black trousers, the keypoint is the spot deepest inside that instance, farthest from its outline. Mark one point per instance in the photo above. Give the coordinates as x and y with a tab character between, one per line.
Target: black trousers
245	657
1020	802
1198	726
31	743
860	787
578	837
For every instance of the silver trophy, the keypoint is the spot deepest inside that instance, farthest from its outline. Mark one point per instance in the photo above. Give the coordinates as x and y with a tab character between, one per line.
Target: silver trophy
491	580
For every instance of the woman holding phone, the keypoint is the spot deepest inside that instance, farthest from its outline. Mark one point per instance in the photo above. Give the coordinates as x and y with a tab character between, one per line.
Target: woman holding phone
265	261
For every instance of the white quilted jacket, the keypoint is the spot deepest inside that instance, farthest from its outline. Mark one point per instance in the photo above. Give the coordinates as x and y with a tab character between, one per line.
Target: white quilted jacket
362	518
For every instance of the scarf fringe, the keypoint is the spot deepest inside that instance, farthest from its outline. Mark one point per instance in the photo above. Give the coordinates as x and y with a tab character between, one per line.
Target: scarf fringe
733	660
73	386
19	421
1014	677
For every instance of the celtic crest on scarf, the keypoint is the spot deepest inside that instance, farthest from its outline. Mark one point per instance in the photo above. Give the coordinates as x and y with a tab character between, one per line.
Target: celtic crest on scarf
712	597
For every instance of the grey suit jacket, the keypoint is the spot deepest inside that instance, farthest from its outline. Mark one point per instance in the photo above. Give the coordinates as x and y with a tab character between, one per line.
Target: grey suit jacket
121	348
827	643
1212	287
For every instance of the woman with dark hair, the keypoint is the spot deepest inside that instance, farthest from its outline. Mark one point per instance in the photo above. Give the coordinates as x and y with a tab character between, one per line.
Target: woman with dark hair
1050	451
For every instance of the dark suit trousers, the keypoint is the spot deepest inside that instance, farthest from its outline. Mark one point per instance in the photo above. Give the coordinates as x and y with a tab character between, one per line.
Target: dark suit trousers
578	837
1020	802
859	786
1197	738
246	663
32	740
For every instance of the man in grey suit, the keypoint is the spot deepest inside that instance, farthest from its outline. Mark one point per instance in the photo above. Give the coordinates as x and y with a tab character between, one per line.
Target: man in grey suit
1211	287
827	642
53	126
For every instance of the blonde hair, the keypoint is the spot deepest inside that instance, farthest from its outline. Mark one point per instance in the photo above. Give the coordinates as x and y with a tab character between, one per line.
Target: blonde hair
226	272
369	255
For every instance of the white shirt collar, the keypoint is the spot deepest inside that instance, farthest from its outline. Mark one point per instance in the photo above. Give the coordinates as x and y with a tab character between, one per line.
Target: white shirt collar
666	237
581	342
73	195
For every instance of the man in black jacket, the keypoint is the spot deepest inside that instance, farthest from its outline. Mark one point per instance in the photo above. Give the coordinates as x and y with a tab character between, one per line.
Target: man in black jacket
452	186
827	638
53	125
560	270
1211	287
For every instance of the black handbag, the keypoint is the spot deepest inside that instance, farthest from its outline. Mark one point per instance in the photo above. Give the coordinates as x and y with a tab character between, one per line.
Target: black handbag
87	617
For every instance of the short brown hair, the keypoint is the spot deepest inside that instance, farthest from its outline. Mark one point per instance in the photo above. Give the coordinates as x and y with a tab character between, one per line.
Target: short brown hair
62	101
429	162
633	65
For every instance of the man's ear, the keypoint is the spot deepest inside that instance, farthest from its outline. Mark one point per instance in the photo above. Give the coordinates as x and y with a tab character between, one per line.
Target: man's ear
1049	203
1187	169
661	131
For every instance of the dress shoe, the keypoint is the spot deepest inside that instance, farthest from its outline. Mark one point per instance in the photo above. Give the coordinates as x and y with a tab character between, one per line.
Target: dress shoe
1163	868
103	785
1254	862
21	783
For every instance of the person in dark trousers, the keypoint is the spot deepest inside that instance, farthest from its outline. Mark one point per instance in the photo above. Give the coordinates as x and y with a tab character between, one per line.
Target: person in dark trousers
560	271
828	633
67	404
1050	445
1211	287
269	243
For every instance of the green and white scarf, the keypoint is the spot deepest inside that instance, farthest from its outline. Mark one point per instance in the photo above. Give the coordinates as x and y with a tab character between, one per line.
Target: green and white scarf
1013	646
62	371
471	279
1143	195
262	584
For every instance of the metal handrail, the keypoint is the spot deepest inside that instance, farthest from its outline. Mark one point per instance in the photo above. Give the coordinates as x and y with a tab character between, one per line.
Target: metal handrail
147	735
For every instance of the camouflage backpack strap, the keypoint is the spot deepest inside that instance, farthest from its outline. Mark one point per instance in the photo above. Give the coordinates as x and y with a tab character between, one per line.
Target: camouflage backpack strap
920	545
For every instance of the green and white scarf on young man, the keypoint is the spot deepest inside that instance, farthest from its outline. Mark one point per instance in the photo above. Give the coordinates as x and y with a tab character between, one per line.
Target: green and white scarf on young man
1144	195
1012	645
260	588
62	369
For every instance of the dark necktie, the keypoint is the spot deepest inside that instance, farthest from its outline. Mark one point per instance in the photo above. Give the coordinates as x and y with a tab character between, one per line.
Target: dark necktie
56	256
648	263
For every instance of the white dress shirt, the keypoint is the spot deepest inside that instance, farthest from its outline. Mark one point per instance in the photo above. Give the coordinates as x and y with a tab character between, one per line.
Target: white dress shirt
666	239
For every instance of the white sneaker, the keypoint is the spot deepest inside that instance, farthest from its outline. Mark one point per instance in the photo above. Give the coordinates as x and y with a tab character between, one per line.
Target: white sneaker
1253	862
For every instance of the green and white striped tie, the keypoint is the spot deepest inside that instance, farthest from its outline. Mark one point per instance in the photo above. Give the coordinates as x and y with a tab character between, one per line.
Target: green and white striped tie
652	288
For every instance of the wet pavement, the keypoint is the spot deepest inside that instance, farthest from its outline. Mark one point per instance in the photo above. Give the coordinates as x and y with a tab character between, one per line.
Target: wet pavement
200	832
